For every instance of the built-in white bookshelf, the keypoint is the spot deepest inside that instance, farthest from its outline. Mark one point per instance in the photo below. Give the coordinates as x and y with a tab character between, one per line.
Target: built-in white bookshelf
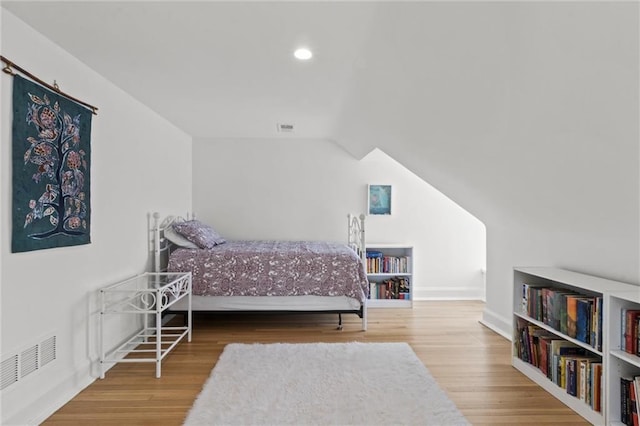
621	362
390	275
543	298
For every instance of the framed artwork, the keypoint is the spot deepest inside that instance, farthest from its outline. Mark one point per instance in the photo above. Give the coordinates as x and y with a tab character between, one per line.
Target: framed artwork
379	199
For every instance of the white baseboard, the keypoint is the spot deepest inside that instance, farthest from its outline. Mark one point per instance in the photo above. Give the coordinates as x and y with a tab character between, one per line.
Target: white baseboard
50	402
497	323
448	293
47	404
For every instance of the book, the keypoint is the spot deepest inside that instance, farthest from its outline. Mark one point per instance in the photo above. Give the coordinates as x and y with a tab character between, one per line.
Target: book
596	324
636	387
374	254
572	315
570	378
633	407
404	285
373	290
625	400
596	388
540	340
583	319
630	330
563	311
534	356
524	305
583	385
545	354
638	337
545	299
554	307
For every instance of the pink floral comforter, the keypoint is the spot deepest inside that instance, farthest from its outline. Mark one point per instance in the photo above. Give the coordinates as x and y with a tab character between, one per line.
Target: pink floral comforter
273	268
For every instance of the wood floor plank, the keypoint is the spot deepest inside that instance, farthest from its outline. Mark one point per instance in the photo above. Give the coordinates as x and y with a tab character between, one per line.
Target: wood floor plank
470	362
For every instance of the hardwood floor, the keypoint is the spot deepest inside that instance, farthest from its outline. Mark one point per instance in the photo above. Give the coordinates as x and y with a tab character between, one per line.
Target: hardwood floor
469	361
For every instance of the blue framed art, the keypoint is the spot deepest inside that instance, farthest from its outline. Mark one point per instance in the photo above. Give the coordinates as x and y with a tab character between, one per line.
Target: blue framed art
379	197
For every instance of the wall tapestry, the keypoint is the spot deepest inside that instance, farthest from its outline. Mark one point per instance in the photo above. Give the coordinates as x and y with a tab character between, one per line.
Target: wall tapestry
51	163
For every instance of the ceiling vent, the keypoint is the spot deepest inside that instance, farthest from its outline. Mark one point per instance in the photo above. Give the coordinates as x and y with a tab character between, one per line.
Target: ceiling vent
285	127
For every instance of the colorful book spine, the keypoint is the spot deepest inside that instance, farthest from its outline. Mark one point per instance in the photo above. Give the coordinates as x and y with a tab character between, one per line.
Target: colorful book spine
583	319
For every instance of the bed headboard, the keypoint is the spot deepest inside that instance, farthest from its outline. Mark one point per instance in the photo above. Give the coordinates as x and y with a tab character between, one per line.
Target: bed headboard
160	246
356	238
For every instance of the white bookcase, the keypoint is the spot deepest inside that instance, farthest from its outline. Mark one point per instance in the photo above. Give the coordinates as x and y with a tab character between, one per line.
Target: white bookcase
600	348
399	258
620	363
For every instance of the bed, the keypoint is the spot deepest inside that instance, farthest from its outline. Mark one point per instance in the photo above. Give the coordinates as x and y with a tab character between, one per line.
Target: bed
264	276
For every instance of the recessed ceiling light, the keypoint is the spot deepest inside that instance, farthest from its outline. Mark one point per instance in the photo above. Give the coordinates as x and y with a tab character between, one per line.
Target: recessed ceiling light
303	54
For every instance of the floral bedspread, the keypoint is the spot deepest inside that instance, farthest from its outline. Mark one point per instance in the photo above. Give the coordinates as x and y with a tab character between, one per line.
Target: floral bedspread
273	268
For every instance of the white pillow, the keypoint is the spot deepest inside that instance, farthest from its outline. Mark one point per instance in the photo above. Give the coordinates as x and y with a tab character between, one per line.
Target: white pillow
177	239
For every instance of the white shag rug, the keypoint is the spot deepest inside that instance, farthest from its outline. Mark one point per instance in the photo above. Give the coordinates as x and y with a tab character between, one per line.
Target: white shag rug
322	384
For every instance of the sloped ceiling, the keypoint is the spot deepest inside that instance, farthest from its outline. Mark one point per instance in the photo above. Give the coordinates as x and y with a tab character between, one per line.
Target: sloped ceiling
218	69
225	69
522	112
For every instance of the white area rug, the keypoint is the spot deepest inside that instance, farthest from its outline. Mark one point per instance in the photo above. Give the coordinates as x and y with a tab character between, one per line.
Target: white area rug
322	384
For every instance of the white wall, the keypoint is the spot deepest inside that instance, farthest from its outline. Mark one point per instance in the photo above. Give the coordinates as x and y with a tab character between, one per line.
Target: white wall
140	163
527	115
303	189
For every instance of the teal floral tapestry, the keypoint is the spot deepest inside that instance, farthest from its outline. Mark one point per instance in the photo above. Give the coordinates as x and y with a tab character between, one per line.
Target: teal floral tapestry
51	163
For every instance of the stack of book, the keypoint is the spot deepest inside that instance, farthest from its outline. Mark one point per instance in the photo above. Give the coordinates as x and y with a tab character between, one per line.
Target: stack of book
374	261
630	332
392	288
379	263
630	400
574	314
566	364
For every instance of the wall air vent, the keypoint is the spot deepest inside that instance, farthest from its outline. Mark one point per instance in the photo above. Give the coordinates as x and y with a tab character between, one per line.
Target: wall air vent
29	360
48	351
285	127
9	371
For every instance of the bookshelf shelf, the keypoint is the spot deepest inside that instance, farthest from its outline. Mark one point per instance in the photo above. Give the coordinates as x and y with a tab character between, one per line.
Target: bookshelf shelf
546	325
575	404
628	358
390	275
559	334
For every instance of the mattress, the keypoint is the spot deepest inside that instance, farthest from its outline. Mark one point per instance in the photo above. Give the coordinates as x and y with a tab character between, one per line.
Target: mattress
273	268
268	303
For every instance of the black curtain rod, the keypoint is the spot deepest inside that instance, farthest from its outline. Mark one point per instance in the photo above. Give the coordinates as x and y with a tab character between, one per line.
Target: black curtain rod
9	70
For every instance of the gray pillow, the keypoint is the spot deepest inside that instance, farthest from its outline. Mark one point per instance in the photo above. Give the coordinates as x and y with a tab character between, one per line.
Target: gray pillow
177	239
199	233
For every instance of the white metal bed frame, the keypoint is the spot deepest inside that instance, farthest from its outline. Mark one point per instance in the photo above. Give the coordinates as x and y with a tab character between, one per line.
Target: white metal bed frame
161	249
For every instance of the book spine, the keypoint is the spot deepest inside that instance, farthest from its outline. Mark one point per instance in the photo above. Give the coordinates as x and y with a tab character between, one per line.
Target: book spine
624	400
623	331
582	392
633	408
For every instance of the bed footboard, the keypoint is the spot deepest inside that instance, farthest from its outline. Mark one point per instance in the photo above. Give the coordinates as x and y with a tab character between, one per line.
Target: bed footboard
356	235
356	241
